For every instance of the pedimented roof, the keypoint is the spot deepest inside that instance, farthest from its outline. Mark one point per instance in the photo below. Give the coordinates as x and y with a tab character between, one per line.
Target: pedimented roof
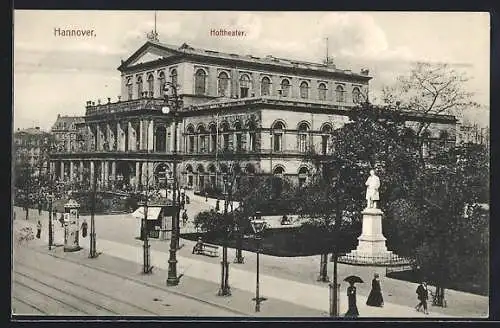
157	50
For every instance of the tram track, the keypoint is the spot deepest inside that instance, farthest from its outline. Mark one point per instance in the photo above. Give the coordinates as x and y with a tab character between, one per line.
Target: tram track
28	269
66	281
28	304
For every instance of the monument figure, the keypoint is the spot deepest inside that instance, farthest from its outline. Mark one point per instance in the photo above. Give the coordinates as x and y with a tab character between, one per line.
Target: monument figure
372	185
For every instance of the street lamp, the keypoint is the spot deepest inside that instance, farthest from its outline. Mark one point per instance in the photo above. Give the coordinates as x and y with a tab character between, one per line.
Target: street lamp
173	103
225	290
258	226
146	268
93	251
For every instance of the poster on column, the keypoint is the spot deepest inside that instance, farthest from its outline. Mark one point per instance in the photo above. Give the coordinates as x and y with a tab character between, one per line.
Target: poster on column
71	231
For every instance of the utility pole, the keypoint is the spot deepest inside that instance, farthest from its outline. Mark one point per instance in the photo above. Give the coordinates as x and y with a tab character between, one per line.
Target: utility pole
225	290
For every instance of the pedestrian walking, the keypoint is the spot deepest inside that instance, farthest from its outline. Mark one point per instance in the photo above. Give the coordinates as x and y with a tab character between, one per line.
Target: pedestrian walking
352	311
206	196
184	218
375	297
61	220
217	205
84	228
38	229
422	295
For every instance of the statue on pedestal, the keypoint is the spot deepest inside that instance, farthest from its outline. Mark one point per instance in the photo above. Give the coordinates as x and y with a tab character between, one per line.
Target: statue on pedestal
372	185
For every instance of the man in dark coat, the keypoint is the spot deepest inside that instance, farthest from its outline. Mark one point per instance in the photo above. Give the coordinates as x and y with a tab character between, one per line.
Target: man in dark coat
84	228
422	295
375	298
38	229
352	311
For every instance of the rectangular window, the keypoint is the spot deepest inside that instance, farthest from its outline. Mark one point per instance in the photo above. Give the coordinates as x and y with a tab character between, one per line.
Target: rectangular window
302	143
252	141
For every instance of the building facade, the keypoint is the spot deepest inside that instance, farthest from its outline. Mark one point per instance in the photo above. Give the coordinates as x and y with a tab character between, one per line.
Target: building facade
30	151
67	133
240	114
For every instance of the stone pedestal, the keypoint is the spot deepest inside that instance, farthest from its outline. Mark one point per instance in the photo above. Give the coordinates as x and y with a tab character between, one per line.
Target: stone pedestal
372	249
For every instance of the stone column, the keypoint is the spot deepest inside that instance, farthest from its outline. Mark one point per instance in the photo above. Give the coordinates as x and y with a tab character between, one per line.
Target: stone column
131	142
151	138
144	173
113	170
92	172
106	173
81	171
119	137
71	170
102	173
140	135
172	136
137	174
151	173
62	171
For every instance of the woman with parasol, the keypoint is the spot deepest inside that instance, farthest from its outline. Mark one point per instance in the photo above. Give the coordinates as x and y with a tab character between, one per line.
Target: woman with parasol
352	311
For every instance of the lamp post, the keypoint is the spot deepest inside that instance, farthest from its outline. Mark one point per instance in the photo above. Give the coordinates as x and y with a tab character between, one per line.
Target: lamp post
93	251
146	267
258	226
225	290
173	102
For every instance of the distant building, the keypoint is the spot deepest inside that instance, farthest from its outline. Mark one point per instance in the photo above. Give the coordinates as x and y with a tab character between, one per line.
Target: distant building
473	133
241	113
67	133
30	150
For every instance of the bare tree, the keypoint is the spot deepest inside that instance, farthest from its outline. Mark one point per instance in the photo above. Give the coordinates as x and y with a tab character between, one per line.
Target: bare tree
430	89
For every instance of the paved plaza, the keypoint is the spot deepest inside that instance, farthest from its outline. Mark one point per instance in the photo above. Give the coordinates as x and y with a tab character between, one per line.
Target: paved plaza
284	281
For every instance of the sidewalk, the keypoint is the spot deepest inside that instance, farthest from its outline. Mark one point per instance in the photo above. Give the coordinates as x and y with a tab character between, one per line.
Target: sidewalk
282	284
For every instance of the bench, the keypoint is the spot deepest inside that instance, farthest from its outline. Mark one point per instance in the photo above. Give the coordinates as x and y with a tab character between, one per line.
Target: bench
209	250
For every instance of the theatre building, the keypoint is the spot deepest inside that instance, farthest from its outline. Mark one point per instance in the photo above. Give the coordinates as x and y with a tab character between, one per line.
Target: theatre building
240	113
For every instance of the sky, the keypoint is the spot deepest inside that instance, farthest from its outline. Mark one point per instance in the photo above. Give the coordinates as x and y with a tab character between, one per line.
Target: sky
57	75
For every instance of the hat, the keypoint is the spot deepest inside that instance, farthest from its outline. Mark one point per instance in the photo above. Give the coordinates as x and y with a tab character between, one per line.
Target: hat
376	275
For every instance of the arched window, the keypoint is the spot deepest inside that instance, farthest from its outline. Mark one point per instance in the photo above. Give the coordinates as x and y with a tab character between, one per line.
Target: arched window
161	77
239	137
226	141
249	169
278	130
302	136
304	90
285	88
202	135
223	83
326	132
201	177
173	77
200	82
151	85
211	172
303	175
213	137
356	95
189	172
279	171
139	87
252	135
244	86
265	86
339	93
190	141
322	91
130	88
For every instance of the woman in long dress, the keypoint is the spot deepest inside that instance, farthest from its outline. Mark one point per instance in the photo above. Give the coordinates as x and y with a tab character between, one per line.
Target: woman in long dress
352	311
375	298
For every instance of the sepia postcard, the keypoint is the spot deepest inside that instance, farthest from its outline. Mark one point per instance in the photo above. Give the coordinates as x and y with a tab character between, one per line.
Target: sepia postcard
250	164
